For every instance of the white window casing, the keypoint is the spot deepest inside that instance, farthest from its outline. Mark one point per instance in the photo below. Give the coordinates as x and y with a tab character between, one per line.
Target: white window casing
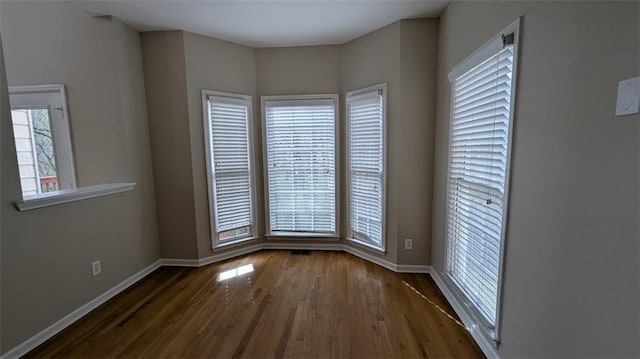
229	159
301	165
482	109
366	166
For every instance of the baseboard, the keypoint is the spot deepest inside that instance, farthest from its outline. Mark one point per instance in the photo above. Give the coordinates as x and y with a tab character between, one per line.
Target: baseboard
69	319
412	268
307	246
486	344
229	254
371	258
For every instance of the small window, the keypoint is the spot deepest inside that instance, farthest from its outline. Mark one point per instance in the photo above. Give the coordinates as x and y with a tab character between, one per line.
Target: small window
230	166
43	141
366	165
301	164
483	88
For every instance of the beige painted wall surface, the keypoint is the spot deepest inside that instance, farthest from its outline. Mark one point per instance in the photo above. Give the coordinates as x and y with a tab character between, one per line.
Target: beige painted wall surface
5	117
298	70
418	68
46	253
220	66
369	60
571	278
167	104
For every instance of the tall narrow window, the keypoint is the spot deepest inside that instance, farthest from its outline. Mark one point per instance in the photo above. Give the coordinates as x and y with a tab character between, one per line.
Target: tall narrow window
230	169
43	141
300	143
480	142
366	167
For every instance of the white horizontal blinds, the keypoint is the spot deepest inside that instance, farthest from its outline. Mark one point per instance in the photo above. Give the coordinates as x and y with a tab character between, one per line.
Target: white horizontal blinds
477	170
230	163
301	162
366	159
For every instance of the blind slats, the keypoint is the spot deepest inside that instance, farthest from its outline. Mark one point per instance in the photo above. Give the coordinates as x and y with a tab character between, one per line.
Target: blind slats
301	167
231	173
477	173
366	157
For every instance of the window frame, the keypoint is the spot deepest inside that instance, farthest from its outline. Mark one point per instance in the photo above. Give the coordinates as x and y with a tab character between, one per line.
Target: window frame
351	236
482	53
294	98
248	101
60	130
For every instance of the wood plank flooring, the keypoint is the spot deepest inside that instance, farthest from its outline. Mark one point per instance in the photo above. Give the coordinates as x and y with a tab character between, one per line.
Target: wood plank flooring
322	305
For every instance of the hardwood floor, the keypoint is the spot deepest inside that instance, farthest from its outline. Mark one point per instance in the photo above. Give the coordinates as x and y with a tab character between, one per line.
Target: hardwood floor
326	304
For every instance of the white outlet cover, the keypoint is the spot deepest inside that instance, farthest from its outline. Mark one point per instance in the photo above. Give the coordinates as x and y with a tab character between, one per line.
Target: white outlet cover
408	243
96	268
628	102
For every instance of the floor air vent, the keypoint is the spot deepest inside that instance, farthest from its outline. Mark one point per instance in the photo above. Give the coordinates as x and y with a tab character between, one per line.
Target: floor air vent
300	252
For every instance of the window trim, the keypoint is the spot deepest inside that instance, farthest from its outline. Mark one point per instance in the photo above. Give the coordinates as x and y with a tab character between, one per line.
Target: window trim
63	144
296	98
350	95
482	53
237	98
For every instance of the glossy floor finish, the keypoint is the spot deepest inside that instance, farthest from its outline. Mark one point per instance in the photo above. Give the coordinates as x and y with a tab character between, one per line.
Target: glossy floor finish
271	304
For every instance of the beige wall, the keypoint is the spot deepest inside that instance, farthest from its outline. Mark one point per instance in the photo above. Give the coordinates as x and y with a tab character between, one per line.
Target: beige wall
402	55
298	70
571	277
167	105
5	117
417	96
46	253
217	65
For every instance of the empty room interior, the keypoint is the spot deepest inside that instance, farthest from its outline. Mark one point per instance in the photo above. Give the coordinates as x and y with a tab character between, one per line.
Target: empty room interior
319	179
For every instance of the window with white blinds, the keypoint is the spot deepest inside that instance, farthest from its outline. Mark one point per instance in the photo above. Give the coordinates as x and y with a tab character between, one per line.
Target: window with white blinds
227	127
366	167
300	143
479	157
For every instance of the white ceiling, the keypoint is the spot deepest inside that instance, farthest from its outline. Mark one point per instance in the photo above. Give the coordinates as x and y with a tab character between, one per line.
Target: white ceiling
267	23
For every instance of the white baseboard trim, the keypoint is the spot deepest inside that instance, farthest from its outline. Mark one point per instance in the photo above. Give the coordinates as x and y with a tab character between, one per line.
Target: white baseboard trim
305	246
69	319
412	268
486	344
229	254
371	258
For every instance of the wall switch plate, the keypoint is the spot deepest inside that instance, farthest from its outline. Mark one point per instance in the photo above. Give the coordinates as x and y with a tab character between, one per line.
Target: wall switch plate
408	244
96	268
628	102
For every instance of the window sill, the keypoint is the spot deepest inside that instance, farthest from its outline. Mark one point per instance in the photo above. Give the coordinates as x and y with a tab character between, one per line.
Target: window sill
302	235
225	245
71	195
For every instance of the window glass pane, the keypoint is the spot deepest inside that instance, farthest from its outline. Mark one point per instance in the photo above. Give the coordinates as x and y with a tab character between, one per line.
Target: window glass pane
477	172
231	168
35	151
301	167
366	156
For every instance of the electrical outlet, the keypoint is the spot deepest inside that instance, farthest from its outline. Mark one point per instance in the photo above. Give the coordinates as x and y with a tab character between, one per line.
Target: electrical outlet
96	268
408	244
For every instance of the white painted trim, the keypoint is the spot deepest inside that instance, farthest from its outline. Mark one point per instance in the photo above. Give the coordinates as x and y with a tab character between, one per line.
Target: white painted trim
371	258
413	268
474	326
229	254
305	246
69	319
71	195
